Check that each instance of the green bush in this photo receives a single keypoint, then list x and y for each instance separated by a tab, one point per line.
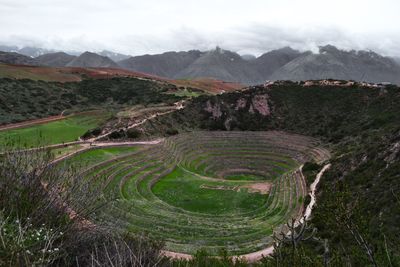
133	133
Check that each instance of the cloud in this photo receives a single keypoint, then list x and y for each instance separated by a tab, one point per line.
138	27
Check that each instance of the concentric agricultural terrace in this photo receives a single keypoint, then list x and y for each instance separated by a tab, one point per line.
210	190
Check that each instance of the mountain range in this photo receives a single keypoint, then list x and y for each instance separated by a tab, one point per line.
89	59
281	64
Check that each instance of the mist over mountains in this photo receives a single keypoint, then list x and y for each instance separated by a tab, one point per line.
281	64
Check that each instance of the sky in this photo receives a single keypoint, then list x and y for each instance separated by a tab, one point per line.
248	27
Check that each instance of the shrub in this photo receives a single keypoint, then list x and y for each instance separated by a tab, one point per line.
133	133
50	216
92	133
172	131
117	134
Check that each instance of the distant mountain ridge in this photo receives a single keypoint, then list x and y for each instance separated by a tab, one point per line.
93	60
281	64
15	58
26	51
270	62
113	55
58	59
223	65
218	64
166	65
333	63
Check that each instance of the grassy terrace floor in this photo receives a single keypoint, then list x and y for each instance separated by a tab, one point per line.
190	192
207	190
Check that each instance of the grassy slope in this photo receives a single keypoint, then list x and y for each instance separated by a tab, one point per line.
69	129
91	157
22	100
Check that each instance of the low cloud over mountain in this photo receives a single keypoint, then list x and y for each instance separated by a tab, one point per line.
281	64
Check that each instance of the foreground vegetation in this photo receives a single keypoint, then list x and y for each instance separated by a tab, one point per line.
42	224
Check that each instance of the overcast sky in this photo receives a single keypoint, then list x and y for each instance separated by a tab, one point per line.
247	26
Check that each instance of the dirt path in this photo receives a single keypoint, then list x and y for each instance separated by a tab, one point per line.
313	189
91	145
178	105
258	255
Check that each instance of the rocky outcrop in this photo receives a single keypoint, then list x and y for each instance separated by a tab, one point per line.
215	109
260	103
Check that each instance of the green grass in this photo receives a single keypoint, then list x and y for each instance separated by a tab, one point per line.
183	189
161	190
56	132
245	177
98	155
59	152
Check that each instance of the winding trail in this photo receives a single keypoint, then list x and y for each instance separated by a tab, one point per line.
92	145
178	105
313	189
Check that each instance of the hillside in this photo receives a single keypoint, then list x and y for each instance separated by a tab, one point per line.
219	64
280	64
268	63
15	58
59	59
223	65
164	65
22	100
113	55
88	59
28	51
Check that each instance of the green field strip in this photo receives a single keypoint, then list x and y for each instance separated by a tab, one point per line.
55	132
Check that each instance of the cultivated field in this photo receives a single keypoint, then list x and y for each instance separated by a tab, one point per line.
66	129
209	190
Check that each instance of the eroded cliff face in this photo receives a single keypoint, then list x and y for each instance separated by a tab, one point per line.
231	113
257	103
260	103
240	103
214	109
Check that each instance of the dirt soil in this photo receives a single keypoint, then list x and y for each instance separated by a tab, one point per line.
261	188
